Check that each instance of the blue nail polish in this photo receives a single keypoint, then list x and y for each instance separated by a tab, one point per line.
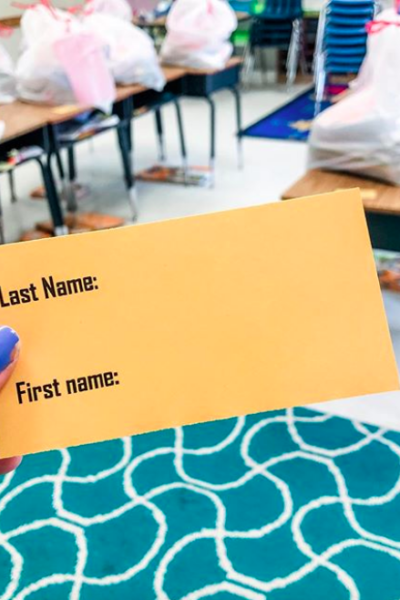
8	340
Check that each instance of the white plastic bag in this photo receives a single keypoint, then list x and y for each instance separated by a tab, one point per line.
7	77
41	75
115	8
197	34
130	51
361	133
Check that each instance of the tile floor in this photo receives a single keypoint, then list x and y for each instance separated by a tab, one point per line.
270	167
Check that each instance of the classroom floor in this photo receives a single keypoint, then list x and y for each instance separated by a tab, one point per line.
270	167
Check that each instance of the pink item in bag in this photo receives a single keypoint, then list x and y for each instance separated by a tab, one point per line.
84	61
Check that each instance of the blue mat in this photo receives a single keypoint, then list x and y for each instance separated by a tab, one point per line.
288	505
290	122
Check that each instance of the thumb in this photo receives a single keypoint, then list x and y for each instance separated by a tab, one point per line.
9	353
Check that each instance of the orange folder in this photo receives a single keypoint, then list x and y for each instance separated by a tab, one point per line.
190	320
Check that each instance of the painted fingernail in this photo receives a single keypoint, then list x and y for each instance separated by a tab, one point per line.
8	343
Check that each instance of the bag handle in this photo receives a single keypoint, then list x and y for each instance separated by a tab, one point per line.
6	32
210	7
46	3
49	6
378	26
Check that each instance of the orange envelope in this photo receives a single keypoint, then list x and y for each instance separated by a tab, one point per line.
190	320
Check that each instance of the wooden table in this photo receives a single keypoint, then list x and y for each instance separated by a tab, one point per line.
381	202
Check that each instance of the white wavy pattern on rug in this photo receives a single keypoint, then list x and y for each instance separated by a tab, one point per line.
160	556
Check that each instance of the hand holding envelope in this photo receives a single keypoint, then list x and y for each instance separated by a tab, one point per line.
190	320
9	354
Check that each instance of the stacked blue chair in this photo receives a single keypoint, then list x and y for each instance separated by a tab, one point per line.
341	40
278	26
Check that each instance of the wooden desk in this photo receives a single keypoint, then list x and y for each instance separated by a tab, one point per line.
21	119
13	22
381	202
136	100
233	62
203	83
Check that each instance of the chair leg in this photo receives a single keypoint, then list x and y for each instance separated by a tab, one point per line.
11	182
320	81
238	103
52	197
212	139
2	238
248	65
263	66
292	62
182	140
61	172
124	141
160	135
302	49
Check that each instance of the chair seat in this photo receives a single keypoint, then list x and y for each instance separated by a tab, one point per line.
281	16
333	41
275	42
270	34
266	25
343	70
340	60
347	21
356	4
362	11
347	51
345	31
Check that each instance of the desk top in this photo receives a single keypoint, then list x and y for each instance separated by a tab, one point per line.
22	118
232	62
377	197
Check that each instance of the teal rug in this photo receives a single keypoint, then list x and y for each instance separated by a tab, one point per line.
288	505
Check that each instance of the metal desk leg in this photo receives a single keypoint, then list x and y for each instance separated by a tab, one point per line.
160	135
52	197
182	140
124	140
72	202
11	182
212	138
236	93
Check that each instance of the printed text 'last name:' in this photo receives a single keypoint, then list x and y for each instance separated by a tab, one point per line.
47	289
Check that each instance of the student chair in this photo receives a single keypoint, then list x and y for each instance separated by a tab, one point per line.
244	6
341	41
278	26
32	153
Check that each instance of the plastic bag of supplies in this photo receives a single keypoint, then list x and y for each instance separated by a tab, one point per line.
197	34
361	133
